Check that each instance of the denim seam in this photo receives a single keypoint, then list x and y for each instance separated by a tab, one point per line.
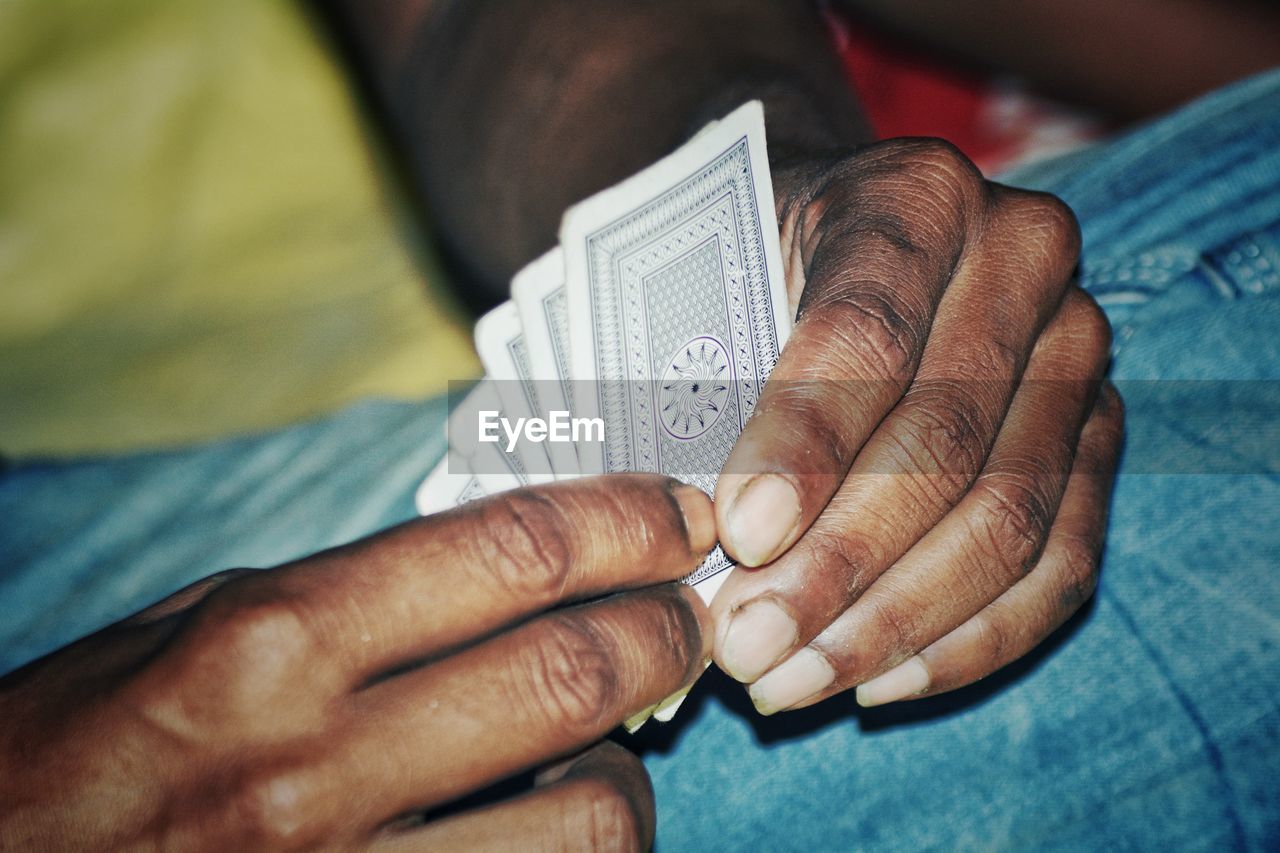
1219	284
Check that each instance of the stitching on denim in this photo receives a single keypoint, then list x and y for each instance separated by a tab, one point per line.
1251	263
1245	266
1124	285
1156	268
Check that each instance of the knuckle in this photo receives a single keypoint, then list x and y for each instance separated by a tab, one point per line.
932	179
806	425
1095	322
843	558
1111	408
247	654
893	625
992	640
988	360
1103	435
524	545
268	635
604	820
678	631
1013	521
573	681
273	811
1047	217
1046	221
944	434
1080	563
944	159
1088	322
249	650
867	335
259	634
870	238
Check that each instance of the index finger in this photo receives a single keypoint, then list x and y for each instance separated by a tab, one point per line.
873	281
447	580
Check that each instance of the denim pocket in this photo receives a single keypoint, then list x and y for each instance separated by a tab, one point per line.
1177	281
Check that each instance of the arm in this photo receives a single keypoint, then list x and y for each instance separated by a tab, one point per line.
1132	58
511	111
925	296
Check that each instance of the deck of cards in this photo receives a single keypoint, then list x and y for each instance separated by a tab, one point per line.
640	343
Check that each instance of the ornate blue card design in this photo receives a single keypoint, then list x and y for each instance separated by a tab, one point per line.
685	334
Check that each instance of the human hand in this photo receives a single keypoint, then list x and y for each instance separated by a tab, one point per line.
327	702
925	480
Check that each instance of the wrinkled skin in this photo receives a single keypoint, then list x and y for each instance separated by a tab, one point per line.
936	444
328	702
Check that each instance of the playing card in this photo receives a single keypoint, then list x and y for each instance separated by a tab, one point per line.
677	309
542	302
500	342
450	484
496	468
660	316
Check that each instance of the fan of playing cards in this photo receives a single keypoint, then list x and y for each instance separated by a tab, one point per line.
641	343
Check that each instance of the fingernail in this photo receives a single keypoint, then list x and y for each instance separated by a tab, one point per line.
633	723
665	710
706	629
794	680
905	679
756	637
667	707
699	517
761	517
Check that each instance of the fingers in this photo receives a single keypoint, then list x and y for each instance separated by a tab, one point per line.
317	752
885	507
873	280
539	691
185	598
436	583
937	439
926	453
601	800
1034	607
977	551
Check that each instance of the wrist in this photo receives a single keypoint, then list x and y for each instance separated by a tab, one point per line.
513	111
802	122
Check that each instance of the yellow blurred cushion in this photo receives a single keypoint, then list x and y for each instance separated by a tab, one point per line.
196	235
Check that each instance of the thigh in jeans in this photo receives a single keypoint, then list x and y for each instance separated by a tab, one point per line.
1153	717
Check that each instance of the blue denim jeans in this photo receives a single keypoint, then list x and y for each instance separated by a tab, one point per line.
1152	719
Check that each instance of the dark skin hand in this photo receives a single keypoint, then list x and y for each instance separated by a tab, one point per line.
924	484
329	701
937	441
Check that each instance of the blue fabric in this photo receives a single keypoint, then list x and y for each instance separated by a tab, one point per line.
1152	719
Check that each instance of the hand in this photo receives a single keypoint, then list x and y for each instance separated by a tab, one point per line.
323	702
926	477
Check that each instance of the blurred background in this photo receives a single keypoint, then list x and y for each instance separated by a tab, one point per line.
202	232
